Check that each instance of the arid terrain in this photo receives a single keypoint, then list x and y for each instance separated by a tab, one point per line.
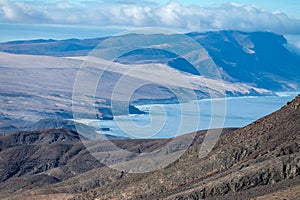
38	77
259	161
149	100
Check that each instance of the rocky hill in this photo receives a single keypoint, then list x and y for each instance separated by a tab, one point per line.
258	161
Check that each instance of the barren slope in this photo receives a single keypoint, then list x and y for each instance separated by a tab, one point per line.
263	153
259	159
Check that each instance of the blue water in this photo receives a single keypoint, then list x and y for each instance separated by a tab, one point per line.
170	120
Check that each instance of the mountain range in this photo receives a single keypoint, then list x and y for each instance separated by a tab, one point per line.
37	77
258	161
261	59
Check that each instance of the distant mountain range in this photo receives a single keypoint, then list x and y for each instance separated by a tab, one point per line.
261	160
37	77
260	59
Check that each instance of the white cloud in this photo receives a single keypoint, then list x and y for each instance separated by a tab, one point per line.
293	43
171	15
9	11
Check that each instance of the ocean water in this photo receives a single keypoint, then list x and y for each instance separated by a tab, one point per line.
169	120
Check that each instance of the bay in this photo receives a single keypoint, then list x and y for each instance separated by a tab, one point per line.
170	120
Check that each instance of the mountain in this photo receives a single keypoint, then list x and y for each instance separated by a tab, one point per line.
33	88
258	161
260	59
51	47
37	77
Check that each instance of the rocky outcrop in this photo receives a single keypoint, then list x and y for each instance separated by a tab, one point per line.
257	160
263	154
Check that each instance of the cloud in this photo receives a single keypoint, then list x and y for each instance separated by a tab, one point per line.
170	15
293	43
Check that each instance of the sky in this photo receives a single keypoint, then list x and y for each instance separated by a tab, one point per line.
32	19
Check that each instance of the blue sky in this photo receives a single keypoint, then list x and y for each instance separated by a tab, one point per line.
21	19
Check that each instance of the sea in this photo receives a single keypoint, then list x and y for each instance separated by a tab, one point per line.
170	120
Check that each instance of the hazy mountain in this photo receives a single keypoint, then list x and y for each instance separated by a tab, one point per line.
40	85
258	160
74	47
260	59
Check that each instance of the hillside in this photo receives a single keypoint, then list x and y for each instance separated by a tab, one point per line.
34	88
256	161
37	77
260	59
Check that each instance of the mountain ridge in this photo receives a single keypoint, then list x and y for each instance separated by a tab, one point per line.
257	58
251	162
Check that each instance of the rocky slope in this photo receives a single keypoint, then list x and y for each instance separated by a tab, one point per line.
264	154
256	161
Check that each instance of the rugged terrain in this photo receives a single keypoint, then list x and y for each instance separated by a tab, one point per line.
259	161
37	77
240	56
